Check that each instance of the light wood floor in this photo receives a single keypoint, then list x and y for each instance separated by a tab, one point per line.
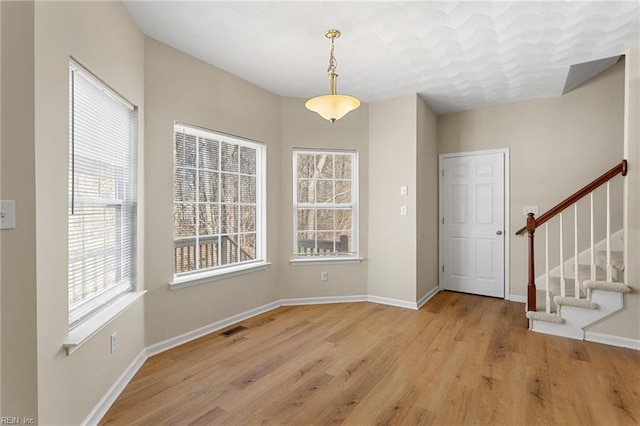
461	359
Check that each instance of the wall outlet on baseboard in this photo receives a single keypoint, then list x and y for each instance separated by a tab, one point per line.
324	276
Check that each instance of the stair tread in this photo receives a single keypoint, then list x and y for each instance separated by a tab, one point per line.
572	301
543	316
604	285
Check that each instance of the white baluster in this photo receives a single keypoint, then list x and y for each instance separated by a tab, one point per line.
546	251
575	251
593	244
609	267
562	289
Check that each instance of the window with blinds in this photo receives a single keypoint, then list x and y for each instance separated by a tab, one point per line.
218	208
102	189
325	204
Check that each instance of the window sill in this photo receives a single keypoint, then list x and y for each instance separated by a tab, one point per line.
299	261
93	325
221	274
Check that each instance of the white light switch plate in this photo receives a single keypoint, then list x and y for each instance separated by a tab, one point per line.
7	214
530	209
404	190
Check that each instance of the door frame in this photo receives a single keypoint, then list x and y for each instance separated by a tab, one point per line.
507	210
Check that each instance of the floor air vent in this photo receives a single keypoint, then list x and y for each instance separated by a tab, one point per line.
233	331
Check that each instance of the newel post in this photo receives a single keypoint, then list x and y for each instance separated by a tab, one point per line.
531	285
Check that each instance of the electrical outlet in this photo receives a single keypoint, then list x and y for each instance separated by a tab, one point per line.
324	276
403	210
114	342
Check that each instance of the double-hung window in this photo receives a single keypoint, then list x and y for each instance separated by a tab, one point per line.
102	195
219	212
325	204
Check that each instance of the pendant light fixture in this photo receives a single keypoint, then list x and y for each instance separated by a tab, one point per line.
332	107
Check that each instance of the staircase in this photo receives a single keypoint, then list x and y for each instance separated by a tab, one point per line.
586	288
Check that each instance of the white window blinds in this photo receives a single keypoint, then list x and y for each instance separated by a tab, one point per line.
102	204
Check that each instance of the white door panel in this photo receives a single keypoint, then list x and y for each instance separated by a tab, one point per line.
472	227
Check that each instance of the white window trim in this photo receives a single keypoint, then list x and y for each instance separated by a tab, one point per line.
326	260
221	273
355	197
198	277
91	326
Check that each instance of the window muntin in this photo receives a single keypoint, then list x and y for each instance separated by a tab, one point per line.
218	207
325	204
102	195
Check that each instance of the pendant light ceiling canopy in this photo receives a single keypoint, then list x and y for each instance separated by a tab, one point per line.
332	107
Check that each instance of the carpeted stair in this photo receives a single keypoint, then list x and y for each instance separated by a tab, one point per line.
586	285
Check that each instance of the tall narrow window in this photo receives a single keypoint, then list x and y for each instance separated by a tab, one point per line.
325	204
218	208
102	195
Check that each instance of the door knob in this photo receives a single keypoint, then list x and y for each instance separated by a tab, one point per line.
498	232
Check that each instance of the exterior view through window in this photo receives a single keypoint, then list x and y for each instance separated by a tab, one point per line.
218	209
325	203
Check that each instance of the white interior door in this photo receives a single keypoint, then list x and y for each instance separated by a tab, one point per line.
472	225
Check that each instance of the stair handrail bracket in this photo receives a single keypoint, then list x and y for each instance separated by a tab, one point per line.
535	222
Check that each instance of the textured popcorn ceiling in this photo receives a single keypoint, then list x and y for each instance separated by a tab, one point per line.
457	55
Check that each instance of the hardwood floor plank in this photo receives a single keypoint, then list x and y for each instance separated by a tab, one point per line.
461	359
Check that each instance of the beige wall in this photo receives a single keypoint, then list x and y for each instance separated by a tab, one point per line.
0	199
426	188
626	323
392	163
103	37
18	264
557	145
181	88
302	128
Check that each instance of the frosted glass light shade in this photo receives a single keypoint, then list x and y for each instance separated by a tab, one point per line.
332	107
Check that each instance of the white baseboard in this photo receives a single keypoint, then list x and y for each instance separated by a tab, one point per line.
207	329
427	296
348	299
115	390
392	302
517	298
322	300
607	339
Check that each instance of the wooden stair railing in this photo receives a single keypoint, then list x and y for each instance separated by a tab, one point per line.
533	223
